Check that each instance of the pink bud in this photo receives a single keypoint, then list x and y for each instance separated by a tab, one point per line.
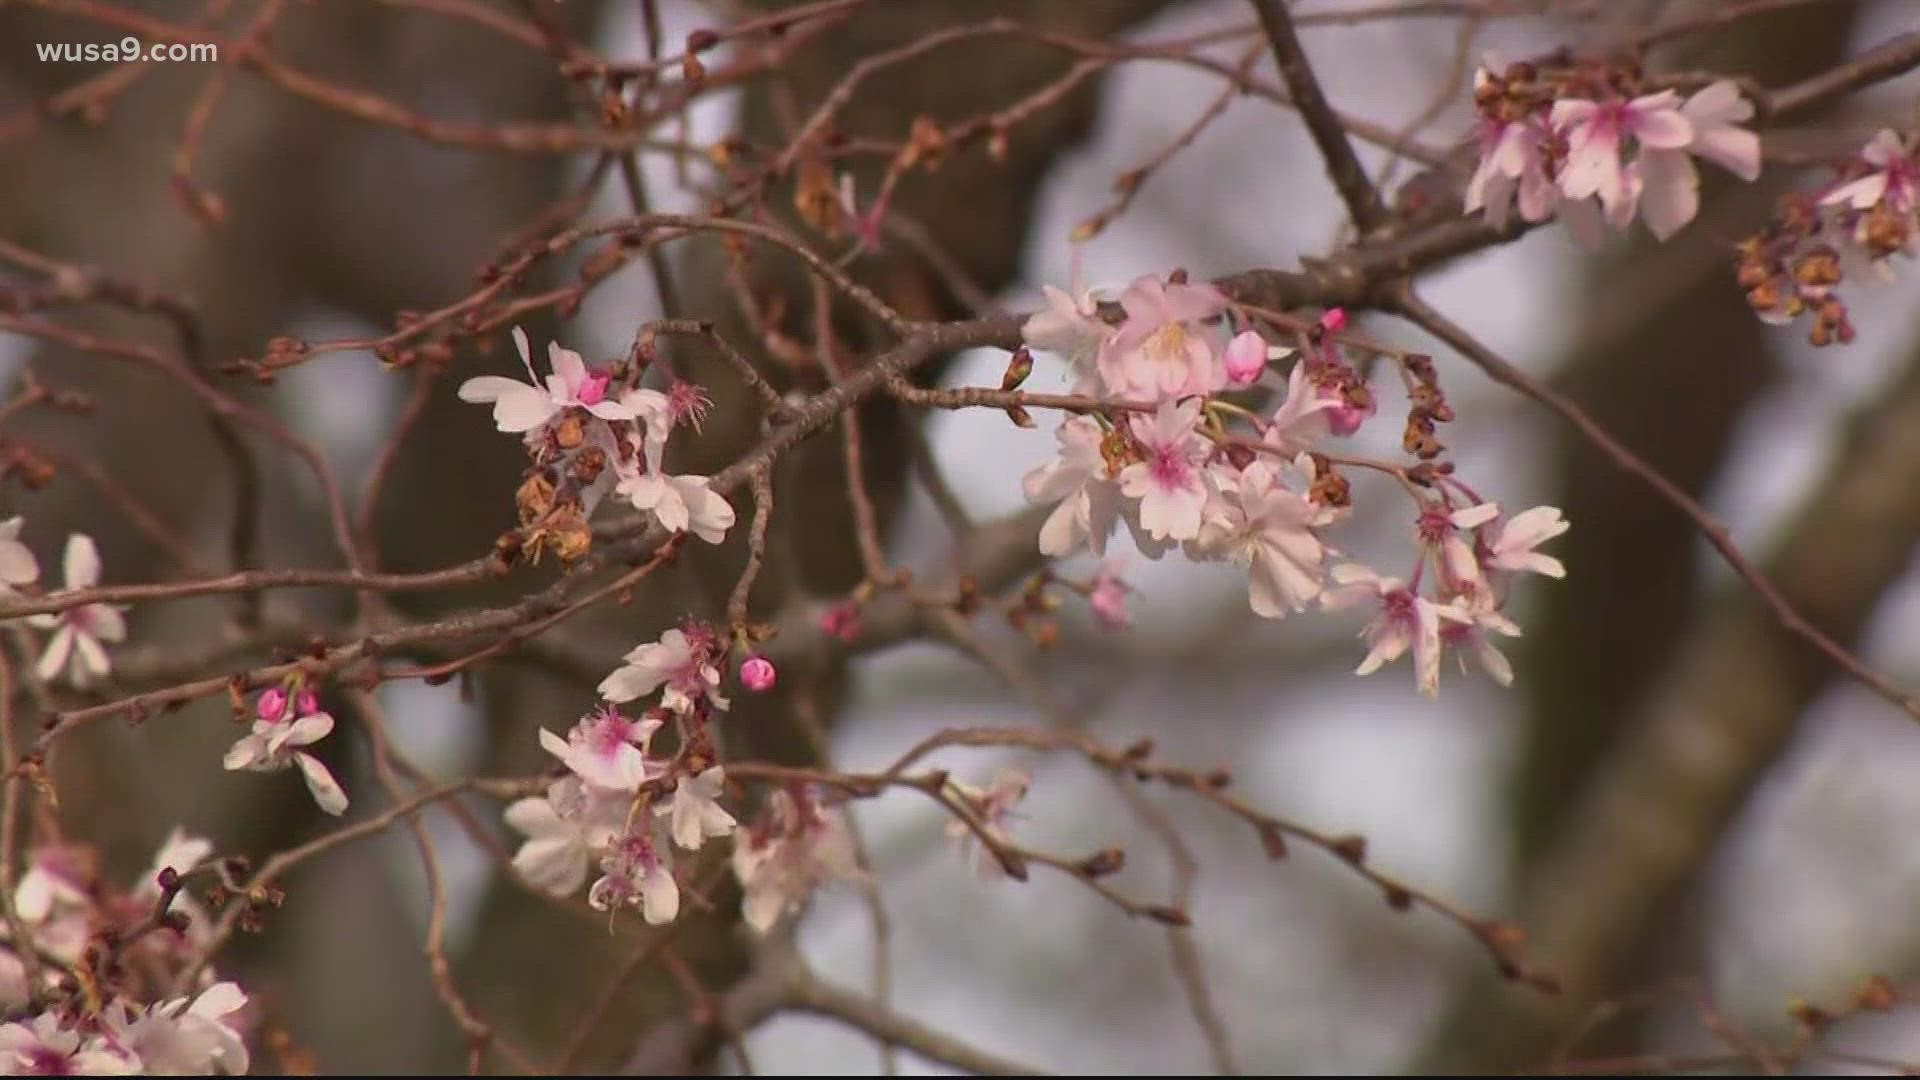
1334	321
594	390
1344	418
757	674
1246	358
307	703
272	704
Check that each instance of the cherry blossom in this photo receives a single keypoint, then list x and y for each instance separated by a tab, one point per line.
637	872
1512	166
1077	481
564	829
1509	544
272	746
797	848
680	503
1405	620
694	811
1156	353
46	1047
523	407
1892	177
992	808
606	749
182	1038
681	662
1303	419
75	649
1470	638
17	565
1068	326
1170	481
1267	528
1597	135
57	877
1669	184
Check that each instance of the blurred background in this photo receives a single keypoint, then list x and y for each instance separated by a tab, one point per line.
1673	794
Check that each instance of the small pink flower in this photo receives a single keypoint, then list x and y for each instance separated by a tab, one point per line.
1334	321
1246	358
1087	500
757	674
1405	620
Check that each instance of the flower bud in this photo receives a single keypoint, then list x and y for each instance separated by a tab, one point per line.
1334	321
272	704
1246	358
757	674
307	703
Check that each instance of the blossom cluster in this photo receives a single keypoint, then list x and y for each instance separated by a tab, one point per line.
1168	454
590	434
125	1021
623	809
1848	230
1580	143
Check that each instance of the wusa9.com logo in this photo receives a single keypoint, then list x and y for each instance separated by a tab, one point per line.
130	48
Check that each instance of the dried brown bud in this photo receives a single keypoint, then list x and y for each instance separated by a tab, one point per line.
1019	366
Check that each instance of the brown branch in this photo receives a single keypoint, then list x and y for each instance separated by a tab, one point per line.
1349	176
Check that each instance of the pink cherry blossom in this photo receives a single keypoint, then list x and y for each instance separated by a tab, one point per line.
564	830
681	663
1303	419
1405	620
1893	177
1156	353
524	406
680	503
1667	184
992	808
47	1047
1171	482
795	849
184	1037
1510	544
75	651
1470	638
1597	135
1087	501
606	749
1087	498
694	812
1268	529
272	745
637	872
